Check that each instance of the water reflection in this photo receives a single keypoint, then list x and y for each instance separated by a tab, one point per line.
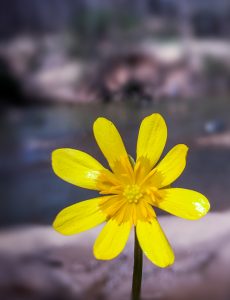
32	193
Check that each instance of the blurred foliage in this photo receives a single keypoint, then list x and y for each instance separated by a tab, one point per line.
93	26
207	23
167	32
215	68
216	75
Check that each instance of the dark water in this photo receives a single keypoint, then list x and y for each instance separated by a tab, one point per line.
31	193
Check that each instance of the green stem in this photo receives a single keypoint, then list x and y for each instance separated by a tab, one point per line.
137	269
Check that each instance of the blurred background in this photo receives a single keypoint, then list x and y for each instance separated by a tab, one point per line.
63	64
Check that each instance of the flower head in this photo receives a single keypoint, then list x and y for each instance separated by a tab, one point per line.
129	190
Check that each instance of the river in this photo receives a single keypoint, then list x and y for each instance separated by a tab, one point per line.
31	193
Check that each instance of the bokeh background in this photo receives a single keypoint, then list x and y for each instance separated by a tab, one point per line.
63	64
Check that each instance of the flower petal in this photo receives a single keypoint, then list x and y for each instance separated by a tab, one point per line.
79	217
110	143
151	139
154	243
171	166
76	167
183	203
112	240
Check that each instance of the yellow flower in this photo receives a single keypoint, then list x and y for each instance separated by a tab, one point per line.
129	191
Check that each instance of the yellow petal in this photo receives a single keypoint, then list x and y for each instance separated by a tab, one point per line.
110	143
151	139
76	167
112	240
171	166
79	217
154	243
183	203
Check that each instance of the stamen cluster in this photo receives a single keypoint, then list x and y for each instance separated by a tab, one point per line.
132	193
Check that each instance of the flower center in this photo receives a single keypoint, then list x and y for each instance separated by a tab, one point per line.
132	193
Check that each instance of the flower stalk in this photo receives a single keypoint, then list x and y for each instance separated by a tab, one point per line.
137	269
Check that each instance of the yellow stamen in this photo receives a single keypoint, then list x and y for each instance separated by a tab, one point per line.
132	193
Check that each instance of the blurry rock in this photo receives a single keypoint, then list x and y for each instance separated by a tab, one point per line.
37	263
214	126
141	75
43	71
220	140
127	75
54	81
